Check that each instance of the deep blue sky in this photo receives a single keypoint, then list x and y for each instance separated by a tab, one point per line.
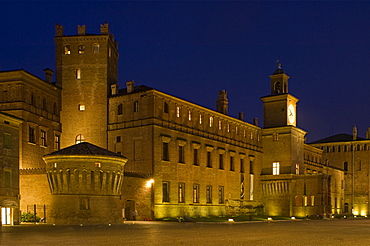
194	49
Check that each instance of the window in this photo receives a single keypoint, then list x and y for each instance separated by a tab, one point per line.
209	194
189	115
96	48
79	139
181	154
67	50
345	148
81	49
297	201
44	104
275	136
84	203
31	134
136	106
165	107
54	108
43	138
165	192
296	168
305	201
177	111
181	192
313	201
345	166
346	207
228	127
78	73
7	141
251	167
200	119
219	125
97	164
242	165
221	195
358	147
57	142
165	153
195	157
232	167
32	99
275	168
210	121
209	159
195	193
359	166
118	139
7	178
81	107
120	109
221	161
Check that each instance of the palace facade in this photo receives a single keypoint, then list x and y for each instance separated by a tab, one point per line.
90	152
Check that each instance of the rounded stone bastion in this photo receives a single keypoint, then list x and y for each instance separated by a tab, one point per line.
85	182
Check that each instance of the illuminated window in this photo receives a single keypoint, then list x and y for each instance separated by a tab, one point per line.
209	194
96	48
181	192
195	157
165	153
120	109
313	201
81	107
67	50
195	193
296	168
81	49
209	159
221	195
43	138
275	168
165	107
251	135
200	119
166	192
78	73
189	115
221	161
181	154
7	141
219	125
31	134
79	139
57	142
177	111
237	130
228	127
232	167
7	179
136	106
275	136
305	201
97	164
210	121
244	133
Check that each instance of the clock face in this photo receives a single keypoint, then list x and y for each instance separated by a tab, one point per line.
291	114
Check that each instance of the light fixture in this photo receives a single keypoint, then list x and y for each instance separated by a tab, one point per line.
149	183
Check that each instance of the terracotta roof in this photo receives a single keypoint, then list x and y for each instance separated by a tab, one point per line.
84	148
337	138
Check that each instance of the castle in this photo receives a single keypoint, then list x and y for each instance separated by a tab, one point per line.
92	153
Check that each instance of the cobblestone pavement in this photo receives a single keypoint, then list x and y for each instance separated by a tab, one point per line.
306	232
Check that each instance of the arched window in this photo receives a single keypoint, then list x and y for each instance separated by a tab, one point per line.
277	87
365	146
67	50
78	73
165	108
96	48
358	147
80	139
81	49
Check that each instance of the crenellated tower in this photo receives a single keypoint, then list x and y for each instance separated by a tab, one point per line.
86	68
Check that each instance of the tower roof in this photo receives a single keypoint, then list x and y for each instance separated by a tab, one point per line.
84	148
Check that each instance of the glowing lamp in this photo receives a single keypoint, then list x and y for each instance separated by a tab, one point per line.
149	183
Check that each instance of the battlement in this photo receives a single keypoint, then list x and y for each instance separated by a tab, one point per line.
81	29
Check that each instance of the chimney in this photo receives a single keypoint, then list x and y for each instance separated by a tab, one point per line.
104	29
59	30
48	75
241	116
130	86
114	89
81	29
222	102
255	121
354	133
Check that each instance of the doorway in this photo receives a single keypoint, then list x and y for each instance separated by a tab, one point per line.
129	209
6	216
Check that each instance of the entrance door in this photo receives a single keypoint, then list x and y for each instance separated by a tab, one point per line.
129	209
6	218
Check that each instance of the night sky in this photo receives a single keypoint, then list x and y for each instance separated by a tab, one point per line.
194	49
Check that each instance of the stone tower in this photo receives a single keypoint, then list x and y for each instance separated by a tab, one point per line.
86	67
222	102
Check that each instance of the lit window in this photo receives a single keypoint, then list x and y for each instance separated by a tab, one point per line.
244	133
80	139
43	138
181	192
97	164
210	121
81	49
7	141
275	136
177	111
209	194
313	201
96	48
78	73
55	165
56	142
275	168
221	195
120	109
228	127
237	130
189	115
251	135
67	50
219	125
195	193
136	106
305	201
84	203
296	168
81	107
166	192
200	119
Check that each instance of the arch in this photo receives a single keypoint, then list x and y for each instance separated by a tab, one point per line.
79	139
277	87
96	48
